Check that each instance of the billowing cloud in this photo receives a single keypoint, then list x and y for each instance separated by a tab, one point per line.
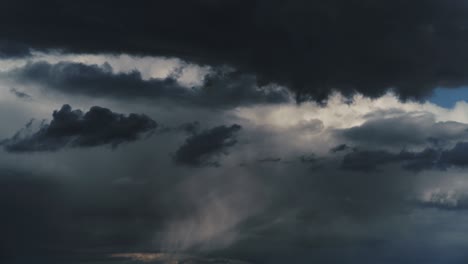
73	128
304	207
199	149
368	176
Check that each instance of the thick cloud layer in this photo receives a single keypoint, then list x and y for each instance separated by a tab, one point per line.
73	128
285	206
9	50
311	46
223	89
199	149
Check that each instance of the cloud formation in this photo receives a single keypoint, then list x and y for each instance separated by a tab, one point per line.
427	159
405	129
73	128
220	89
200	149
313	47
306	207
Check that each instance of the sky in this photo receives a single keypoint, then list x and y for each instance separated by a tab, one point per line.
233	132
449	97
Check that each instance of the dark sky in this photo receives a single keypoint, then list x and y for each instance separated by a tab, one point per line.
234	131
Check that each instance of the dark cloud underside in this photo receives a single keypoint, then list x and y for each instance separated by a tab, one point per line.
311	46
220	89
73	128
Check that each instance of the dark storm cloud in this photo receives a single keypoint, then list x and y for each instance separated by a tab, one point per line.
191	128
57	220
25	202
365	160
411	129
10	49
311	46
220	89
73	128
200	149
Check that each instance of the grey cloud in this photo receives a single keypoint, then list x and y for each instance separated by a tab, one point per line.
191	128
368	160
259	213
50	218
408	129
221	89
457	156
200	149
339	148
73	128
310	158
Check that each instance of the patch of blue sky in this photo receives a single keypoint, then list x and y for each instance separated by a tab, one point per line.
448	97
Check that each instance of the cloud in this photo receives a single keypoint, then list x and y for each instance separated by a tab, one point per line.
10	49
445	199
199	149
306	208
20	94
429	158
405	129
73	128
220	89
339	148
46	213
191	128
313	47
456	156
